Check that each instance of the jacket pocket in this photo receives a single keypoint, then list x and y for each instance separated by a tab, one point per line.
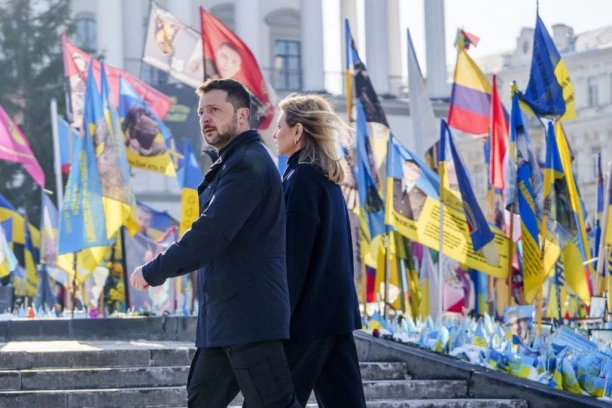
228	286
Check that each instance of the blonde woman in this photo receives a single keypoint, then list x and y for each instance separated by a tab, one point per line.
324	307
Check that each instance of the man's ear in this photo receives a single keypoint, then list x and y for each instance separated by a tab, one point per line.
244	115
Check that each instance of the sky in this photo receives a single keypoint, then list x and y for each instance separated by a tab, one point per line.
498	22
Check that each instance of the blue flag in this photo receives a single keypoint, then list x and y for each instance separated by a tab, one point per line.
67	137
82	222
550	92
477	224
369	199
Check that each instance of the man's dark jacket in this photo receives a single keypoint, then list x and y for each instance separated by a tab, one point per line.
238	243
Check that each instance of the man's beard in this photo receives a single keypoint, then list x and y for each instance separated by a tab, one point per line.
224	136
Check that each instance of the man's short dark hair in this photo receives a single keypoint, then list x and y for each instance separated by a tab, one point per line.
237	94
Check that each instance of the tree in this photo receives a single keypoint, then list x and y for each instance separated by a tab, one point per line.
31	73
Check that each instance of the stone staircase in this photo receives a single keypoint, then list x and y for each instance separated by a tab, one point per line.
69	374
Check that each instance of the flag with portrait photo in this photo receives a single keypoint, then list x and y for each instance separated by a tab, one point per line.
173	47
149	143
225	55
76	62
413	206
117	196
376	120
154	223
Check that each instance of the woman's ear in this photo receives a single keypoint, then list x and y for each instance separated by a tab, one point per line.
298	129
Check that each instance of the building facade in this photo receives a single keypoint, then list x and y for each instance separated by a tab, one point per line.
299	45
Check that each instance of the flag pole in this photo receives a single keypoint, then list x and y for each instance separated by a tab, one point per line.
386	294
440	305
604	227
74	283
57	165
510	254
364	286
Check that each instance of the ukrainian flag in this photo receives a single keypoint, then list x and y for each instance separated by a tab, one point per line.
82	226
371	205
8	261
549	92
189	178
521	187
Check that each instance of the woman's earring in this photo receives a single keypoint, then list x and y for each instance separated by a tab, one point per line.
296	142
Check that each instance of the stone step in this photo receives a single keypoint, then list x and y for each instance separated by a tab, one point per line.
175	396
97	398
401	389
134	377
441	403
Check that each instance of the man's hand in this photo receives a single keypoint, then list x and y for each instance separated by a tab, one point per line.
137	280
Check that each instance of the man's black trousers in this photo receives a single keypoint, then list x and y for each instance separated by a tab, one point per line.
258	370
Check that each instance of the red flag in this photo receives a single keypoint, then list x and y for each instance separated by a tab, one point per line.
75	70
499	140
226	56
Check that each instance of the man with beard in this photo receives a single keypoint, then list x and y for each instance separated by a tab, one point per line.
238	243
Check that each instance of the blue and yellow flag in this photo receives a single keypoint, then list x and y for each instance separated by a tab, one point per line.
31	259
149	143
557	203
82	221
456	190
575	254
558	207
549	92
371	205
522	188
82	224
117	196
413	209
9	212
189	178
154	223
8	261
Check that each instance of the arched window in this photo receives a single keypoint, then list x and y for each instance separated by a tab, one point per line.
85	36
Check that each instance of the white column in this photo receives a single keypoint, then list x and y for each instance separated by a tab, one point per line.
349	9
133	40
248	21
110	31
394	41
435	42
185	11
333	48
377	47
313	78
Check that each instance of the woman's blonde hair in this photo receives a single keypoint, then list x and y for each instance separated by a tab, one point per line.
324	132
